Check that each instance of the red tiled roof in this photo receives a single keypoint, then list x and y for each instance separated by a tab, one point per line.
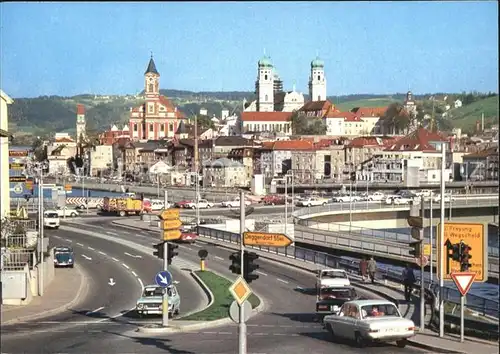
483	153
348	116
419	140
265	116
64	140
80	109
288	145
316	106
367	141
371	111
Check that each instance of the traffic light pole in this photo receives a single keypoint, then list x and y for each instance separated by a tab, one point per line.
242	324
441	242
422	269
165	293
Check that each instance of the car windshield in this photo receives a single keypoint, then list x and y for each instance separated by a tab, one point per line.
336	293
152	292
63	257
383	310
334	274
51	215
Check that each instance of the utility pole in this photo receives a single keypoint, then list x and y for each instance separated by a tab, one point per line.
422	269
165	290
286	202
441	242
242	324
197	179
40	229
431	237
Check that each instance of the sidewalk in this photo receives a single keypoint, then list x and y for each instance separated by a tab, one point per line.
427	340
68	288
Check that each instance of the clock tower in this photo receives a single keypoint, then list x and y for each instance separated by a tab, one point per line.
80	123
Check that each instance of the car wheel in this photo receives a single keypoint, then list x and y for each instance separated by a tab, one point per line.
360	341
324	203
72	266
122	213
229	206
193	207
177	311
401	343
73	215
56	227
309	205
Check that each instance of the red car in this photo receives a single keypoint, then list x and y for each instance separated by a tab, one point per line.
182	203
187	237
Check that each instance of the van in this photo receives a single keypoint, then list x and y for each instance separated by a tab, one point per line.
51	219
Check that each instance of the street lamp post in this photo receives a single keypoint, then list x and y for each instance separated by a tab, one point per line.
350	199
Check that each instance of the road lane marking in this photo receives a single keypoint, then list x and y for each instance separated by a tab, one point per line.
101	252
113	258
111	233
79	244
195	245
90	248
94	311
140	282
58	237
126	266
219	258
281	280
134	273
261	273
132	255
67	239
86	257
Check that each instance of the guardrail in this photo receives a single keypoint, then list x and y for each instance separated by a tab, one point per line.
479	304
367	205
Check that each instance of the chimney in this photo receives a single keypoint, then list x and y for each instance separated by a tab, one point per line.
482	122
477	126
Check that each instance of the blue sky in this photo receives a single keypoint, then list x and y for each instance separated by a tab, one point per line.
368	47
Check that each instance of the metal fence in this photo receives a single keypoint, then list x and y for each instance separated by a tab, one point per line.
479	304
17	250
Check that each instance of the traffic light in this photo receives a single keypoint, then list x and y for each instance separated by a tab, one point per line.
465	257
456	252
235	266
416	249
159	250
249	267
172	252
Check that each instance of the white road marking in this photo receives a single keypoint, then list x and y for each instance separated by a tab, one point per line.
261	273
79	244
57	236
132	255
195	245
140	282
219	258
87	258
281	280
113	258
101	252
94	311
134	273
280	334
126	266
67	239
90	248
227	333
111	233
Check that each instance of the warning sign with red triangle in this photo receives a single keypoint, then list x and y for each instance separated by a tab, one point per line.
463	281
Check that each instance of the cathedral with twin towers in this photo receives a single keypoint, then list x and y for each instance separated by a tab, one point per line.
270	96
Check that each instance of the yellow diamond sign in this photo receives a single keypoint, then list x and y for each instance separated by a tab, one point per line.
240	290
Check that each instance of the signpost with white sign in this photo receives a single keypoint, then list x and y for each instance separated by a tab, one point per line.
463	281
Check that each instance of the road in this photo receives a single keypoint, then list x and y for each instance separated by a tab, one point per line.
286	326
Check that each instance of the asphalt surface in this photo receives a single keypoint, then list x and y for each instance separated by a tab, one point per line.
286	326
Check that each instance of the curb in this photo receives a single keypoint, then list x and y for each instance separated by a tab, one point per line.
81	293
432	348
207	292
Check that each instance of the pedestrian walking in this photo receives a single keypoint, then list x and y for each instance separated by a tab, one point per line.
363	269
408	281
372	268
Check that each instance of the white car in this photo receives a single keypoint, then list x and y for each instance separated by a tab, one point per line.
366	321
447	198
202	204
92	203
157	205
65	212
330	278
235	203
348	198
51	219
377	196
398	200
308	202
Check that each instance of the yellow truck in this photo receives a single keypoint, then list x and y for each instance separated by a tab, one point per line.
126	206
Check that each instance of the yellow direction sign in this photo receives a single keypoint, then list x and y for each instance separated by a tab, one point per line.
166	214
240	290
171	235
473	236
171	224
427	249
266	239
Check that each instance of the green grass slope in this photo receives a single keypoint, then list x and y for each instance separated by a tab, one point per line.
370	102
465	117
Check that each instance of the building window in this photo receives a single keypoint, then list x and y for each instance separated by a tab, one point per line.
319	78
162	127
151	129
150	87
135	127
171	127
319	97
151	108
265	77
266	98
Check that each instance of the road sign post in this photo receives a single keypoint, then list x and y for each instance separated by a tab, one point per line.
170	224
242	324
463	281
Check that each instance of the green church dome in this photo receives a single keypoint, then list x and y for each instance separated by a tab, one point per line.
265	61
317	63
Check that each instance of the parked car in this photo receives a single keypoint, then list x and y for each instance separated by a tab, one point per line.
347	198
377	196
398	200
66	211
187	237
331	299
447	198
51	219
274	200
157	205
182	203
235	203
366	321
92	203
332	278
312	201
151	301
64	257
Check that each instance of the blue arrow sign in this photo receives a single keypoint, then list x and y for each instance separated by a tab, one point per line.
163	278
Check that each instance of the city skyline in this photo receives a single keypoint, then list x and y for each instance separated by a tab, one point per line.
368	48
